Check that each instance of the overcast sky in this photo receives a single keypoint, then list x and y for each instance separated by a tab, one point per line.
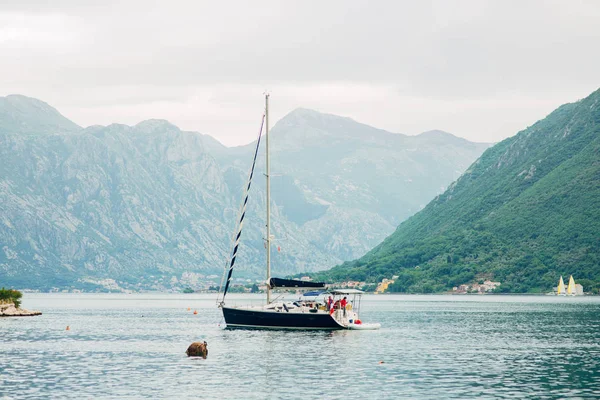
481	70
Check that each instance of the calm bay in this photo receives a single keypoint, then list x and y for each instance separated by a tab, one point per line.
133	346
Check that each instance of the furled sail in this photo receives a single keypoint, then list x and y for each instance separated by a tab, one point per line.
294	284
236	243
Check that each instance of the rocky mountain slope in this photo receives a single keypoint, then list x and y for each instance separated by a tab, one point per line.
526	212
152	206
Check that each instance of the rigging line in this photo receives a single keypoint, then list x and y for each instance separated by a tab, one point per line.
226	255
241	214
236	242
245	188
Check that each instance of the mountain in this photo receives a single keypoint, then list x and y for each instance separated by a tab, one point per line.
341	162
27	115
151	206
526	212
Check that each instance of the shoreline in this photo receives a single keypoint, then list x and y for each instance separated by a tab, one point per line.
9	310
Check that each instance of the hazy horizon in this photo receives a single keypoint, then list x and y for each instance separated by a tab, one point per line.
480	70
252	140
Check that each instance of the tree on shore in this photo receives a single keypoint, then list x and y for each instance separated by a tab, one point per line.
11	296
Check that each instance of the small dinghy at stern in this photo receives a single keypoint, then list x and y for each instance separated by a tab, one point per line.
363	327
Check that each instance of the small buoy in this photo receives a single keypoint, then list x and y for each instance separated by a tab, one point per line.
188	309
195	312
68	328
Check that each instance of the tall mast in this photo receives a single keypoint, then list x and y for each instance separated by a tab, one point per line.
268	175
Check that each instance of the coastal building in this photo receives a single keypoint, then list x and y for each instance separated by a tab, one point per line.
485	287
461	288
488	286
383	285
350	284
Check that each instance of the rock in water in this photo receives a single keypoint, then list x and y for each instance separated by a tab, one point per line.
9	310
197	349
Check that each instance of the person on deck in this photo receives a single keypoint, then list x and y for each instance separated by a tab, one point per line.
329	303
344	303
335	306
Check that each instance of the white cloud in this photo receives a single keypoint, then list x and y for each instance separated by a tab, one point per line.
480	69
21	31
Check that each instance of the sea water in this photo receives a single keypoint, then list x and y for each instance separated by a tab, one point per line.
435	347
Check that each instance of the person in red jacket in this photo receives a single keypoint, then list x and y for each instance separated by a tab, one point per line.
344	303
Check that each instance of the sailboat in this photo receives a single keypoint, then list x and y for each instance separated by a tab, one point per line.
561	287
571	287
339	313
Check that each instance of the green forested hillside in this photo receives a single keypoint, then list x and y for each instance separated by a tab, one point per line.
523	214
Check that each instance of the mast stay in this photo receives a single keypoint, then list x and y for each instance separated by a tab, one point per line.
236	242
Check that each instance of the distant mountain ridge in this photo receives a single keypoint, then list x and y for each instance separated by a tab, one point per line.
27	115
151	206
526	212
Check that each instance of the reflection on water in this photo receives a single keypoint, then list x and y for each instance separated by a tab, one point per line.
431	347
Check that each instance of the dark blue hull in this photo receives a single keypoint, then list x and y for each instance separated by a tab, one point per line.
243	318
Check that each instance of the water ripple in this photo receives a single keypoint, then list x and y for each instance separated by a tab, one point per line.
132	346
